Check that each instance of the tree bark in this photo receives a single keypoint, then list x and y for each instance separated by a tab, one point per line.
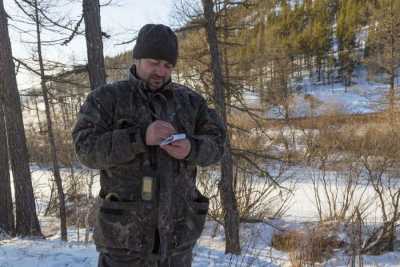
94	43
6	206
50	133
27	222
228	199
226	59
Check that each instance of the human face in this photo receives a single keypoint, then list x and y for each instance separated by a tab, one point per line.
155	73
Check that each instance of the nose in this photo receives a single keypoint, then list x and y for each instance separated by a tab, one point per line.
161	70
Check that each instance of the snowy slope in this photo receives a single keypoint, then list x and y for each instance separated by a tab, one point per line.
362	96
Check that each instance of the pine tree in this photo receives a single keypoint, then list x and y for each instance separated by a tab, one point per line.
348	24
384	43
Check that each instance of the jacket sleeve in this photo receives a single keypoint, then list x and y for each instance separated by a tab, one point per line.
97	144
208	140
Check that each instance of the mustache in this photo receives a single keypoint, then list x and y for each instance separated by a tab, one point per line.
157	77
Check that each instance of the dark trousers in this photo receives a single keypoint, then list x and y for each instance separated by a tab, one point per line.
181	260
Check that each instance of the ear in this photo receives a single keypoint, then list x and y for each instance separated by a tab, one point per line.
136	61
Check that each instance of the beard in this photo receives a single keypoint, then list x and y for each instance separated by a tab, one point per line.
155	82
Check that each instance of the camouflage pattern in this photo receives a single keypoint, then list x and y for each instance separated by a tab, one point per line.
109	136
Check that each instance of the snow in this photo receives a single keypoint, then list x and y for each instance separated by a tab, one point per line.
362	96
255	237
209	251
45	253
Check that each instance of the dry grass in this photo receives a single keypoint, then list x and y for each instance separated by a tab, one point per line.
308	247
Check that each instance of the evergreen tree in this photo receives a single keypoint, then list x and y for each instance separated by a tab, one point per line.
348	25
384	43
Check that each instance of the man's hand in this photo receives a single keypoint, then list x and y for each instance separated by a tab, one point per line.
179	149
158	131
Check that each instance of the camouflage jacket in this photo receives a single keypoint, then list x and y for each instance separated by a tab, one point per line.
109	135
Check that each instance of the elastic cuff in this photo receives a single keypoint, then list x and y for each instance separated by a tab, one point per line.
192	154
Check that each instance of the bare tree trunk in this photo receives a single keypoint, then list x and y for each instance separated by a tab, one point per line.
6	206
97	74
37	114
392	98
226	60
94	43
91	203
228	199
56	169
27	222
392	93
51	201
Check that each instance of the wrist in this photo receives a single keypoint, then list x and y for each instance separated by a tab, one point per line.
191	155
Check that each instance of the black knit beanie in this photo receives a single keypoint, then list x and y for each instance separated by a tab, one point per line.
156	41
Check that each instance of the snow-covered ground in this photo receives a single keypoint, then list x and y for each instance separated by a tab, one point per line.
362	96
209	251
255	238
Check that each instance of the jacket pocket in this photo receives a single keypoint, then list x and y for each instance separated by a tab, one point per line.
122	225
189	228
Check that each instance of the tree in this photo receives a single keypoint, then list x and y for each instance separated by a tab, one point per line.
96	66
27	222
50	132
38	17
348	24
228	199
94	43
283	44
6	206
241	49
319	33
384	43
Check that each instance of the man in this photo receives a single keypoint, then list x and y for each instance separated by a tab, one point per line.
150	212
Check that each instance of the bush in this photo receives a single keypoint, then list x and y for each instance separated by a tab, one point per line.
308	246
